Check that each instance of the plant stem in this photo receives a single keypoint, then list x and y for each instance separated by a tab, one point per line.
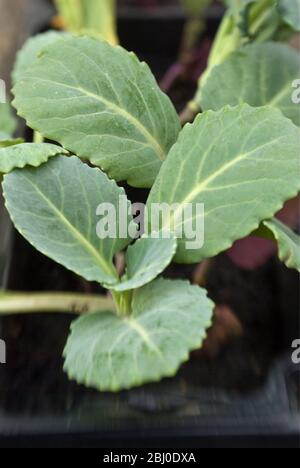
38	138
71	14
26	303
122	301
227	40
189	113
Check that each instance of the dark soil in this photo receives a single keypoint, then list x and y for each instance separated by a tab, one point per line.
265	301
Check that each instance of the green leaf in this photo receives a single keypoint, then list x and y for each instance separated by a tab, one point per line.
145	260
288	243
248	76
8	124
30	51
290	12
168	320
101	103
6	141
242	163
26	154
54	208
256	19
240	11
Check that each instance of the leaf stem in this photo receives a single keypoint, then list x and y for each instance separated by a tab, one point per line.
189	112
38	137
122	302
73	303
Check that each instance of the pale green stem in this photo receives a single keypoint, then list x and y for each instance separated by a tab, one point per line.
26	303
72	13
122	301
38	138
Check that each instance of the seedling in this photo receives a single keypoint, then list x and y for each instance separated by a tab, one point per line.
101	105
248	22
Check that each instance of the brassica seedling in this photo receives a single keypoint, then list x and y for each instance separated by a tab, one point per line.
100	104
247	22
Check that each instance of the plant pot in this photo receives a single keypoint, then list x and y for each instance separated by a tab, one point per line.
247	395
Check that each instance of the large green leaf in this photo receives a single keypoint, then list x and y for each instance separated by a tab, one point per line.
242	163
248	76
26	154
290	12
288	243
101	103
54	207
168	320
145	260
29	52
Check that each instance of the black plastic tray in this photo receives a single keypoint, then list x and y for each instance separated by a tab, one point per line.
162	415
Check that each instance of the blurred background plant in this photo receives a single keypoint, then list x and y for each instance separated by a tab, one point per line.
93	17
